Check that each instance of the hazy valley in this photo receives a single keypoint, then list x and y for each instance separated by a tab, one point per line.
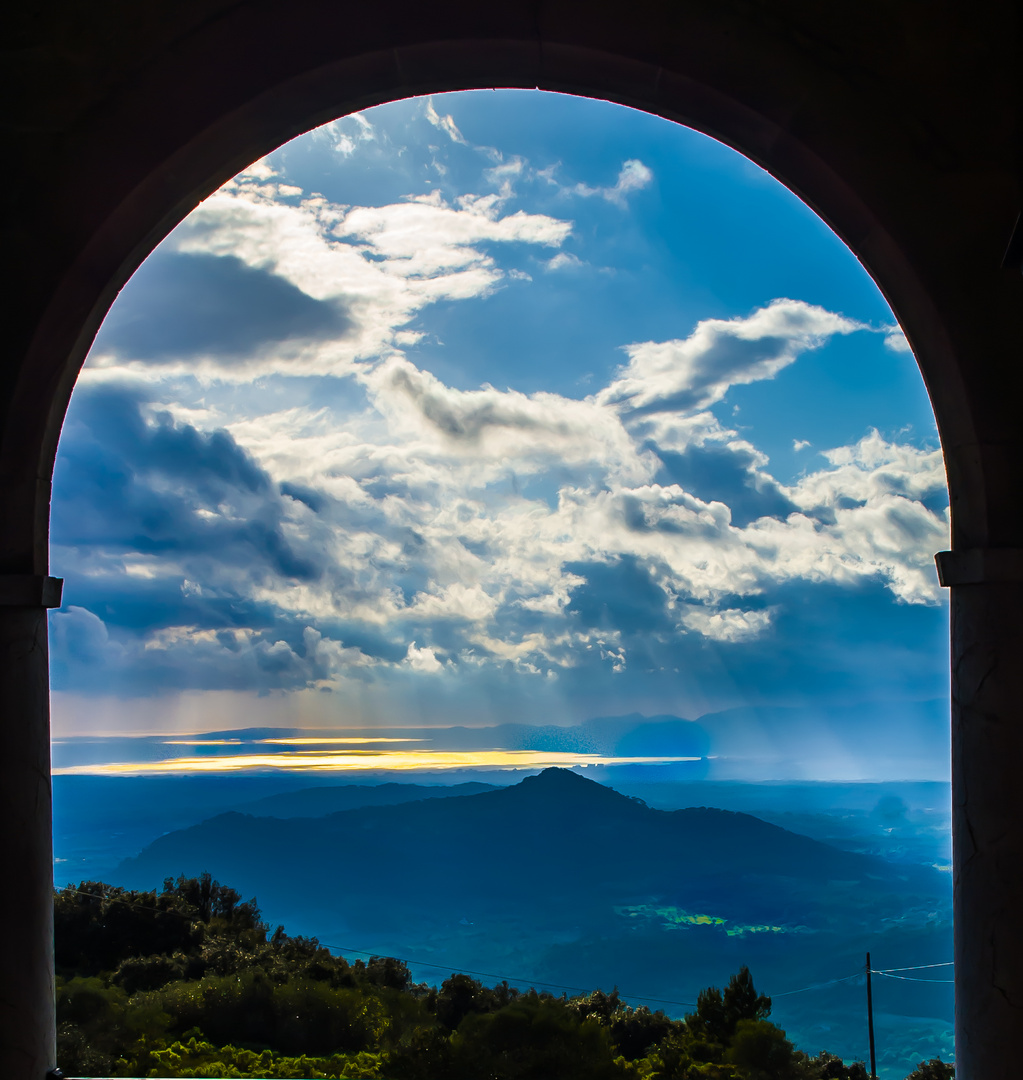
557	881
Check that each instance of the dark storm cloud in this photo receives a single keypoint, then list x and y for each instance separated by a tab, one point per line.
164	487
140	605
103	640
836	645
315	500
92	657
619	596
727	475
195	304
133	483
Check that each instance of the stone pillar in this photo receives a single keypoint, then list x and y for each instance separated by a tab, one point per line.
26	833
987	808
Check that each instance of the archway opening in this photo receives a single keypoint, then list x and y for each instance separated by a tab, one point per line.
537	436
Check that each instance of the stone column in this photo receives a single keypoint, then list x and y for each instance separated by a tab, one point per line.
987	808
26	832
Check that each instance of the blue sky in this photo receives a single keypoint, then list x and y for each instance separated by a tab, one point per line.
496	407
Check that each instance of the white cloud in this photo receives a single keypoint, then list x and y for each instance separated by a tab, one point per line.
258	170
564	261
633	176
329	659
502	426
346	133
730	624
487	553
422	660
695	372
800	444
429	483
896	340
444	123
504	174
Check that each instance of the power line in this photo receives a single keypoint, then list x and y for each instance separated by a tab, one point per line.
909	978
917	967
818	986
111	898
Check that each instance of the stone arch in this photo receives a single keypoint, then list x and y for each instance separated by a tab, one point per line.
899	126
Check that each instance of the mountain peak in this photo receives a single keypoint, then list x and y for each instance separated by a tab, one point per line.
557	775
558	783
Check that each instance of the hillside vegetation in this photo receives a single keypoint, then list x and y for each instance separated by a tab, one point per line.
189	981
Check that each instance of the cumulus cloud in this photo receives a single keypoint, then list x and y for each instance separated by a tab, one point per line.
422	660
313	544
476	519
499	426
728	624
695	372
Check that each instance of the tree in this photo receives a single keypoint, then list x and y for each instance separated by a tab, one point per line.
827	1066
717	1013
634	1031
741	1000
97	926
536	1037
935	1069
760	1051
211	900
458	997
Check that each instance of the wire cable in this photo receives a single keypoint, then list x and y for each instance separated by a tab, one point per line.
818	986
909	978
917	967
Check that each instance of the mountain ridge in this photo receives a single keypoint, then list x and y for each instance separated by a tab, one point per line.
553	847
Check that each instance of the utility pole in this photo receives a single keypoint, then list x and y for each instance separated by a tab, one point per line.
870	1023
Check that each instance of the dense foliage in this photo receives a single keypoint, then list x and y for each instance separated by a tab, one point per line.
189	981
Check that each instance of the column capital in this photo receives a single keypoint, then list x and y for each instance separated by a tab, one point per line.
30	590
978	566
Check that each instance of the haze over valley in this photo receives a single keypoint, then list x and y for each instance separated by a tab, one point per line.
560	882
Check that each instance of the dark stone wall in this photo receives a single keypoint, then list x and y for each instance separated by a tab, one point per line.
898	121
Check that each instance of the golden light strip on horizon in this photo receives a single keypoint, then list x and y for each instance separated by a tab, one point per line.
362	761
